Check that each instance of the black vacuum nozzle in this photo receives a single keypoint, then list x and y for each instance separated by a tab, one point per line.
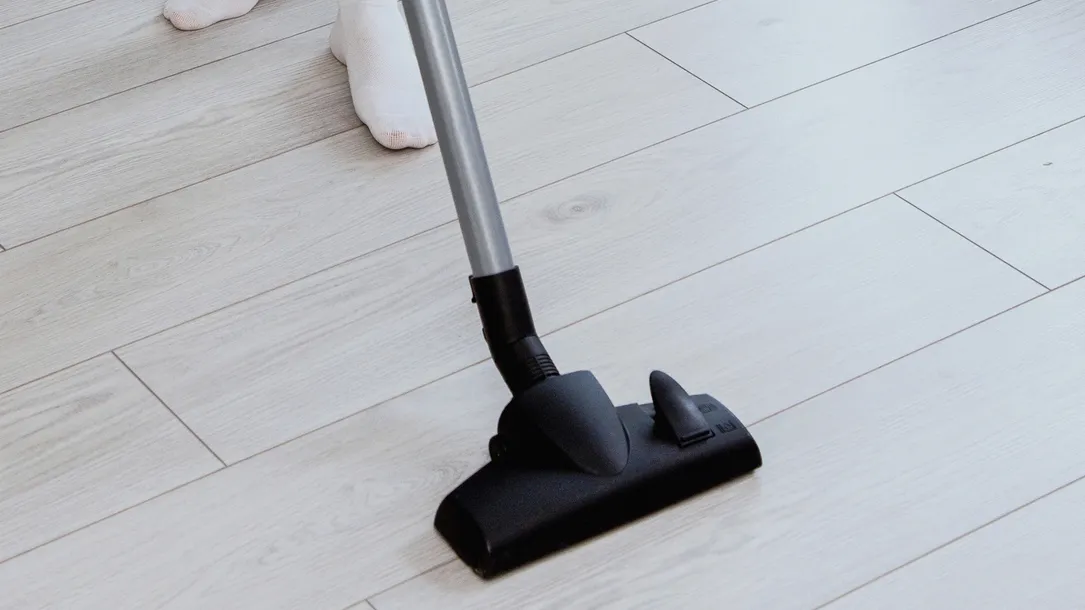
566	421
568	465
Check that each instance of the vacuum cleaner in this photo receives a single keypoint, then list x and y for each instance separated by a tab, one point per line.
566	464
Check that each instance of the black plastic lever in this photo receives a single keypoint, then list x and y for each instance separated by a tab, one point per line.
677	416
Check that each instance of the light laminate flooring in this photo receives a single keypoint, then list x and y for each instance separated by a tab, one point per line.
239	366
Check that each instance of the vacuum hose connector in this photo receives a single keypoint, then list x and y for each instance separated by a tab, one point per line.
510	331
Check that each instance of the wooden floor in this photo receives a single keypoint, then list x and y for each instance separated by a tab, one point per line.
239	366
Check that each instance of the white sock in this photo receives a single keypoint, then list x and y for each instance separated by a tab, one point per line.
197	14
372	40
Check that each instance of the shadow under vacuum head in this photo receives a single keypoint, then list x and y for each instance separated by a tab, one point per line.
567	465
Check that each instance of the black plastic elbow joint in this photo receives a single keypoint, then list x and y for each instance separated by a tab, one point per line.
510	331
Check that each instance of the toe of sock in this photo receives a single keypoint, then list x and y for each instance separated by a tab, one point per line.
188	18
399	140
398	135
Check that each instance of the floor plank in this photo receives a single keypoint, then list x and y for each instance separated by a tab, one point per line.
18	11
96	159
81	445
895	266
585	82
104	47
101	48
757	50
658	214
854	479
497	36
856	482
1030	559
761	174
285	363
1023	204
244	379
158	264
345	512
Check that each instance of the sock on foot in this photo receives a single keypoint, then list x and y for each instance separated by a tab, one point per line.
372	40
197	14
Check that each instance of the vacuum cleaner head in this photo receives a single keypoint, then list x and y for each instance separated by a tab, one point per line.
567	465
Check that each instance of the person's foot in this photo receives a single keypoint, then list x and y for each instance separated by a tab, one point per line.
371	39
197	14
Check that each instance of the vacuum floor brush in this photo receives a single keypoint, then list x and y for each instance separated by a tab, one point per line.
566	464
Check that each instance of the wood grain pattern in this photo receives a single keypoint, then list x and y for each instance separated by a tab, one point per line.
104	47
142	270
777	168
287	362
1030	559
81	445
318	524
17	11
345	512
1023	204
762	329
856	482
618	231
757	50
863	478
327	309
244	379
496	37
99	158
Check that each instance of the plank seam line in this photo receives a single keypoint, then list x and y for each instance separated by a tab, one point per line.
686	70
764	419
911	48
969	240
241	167
953	540
167	407
52	12
511	201
302	33
429	383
